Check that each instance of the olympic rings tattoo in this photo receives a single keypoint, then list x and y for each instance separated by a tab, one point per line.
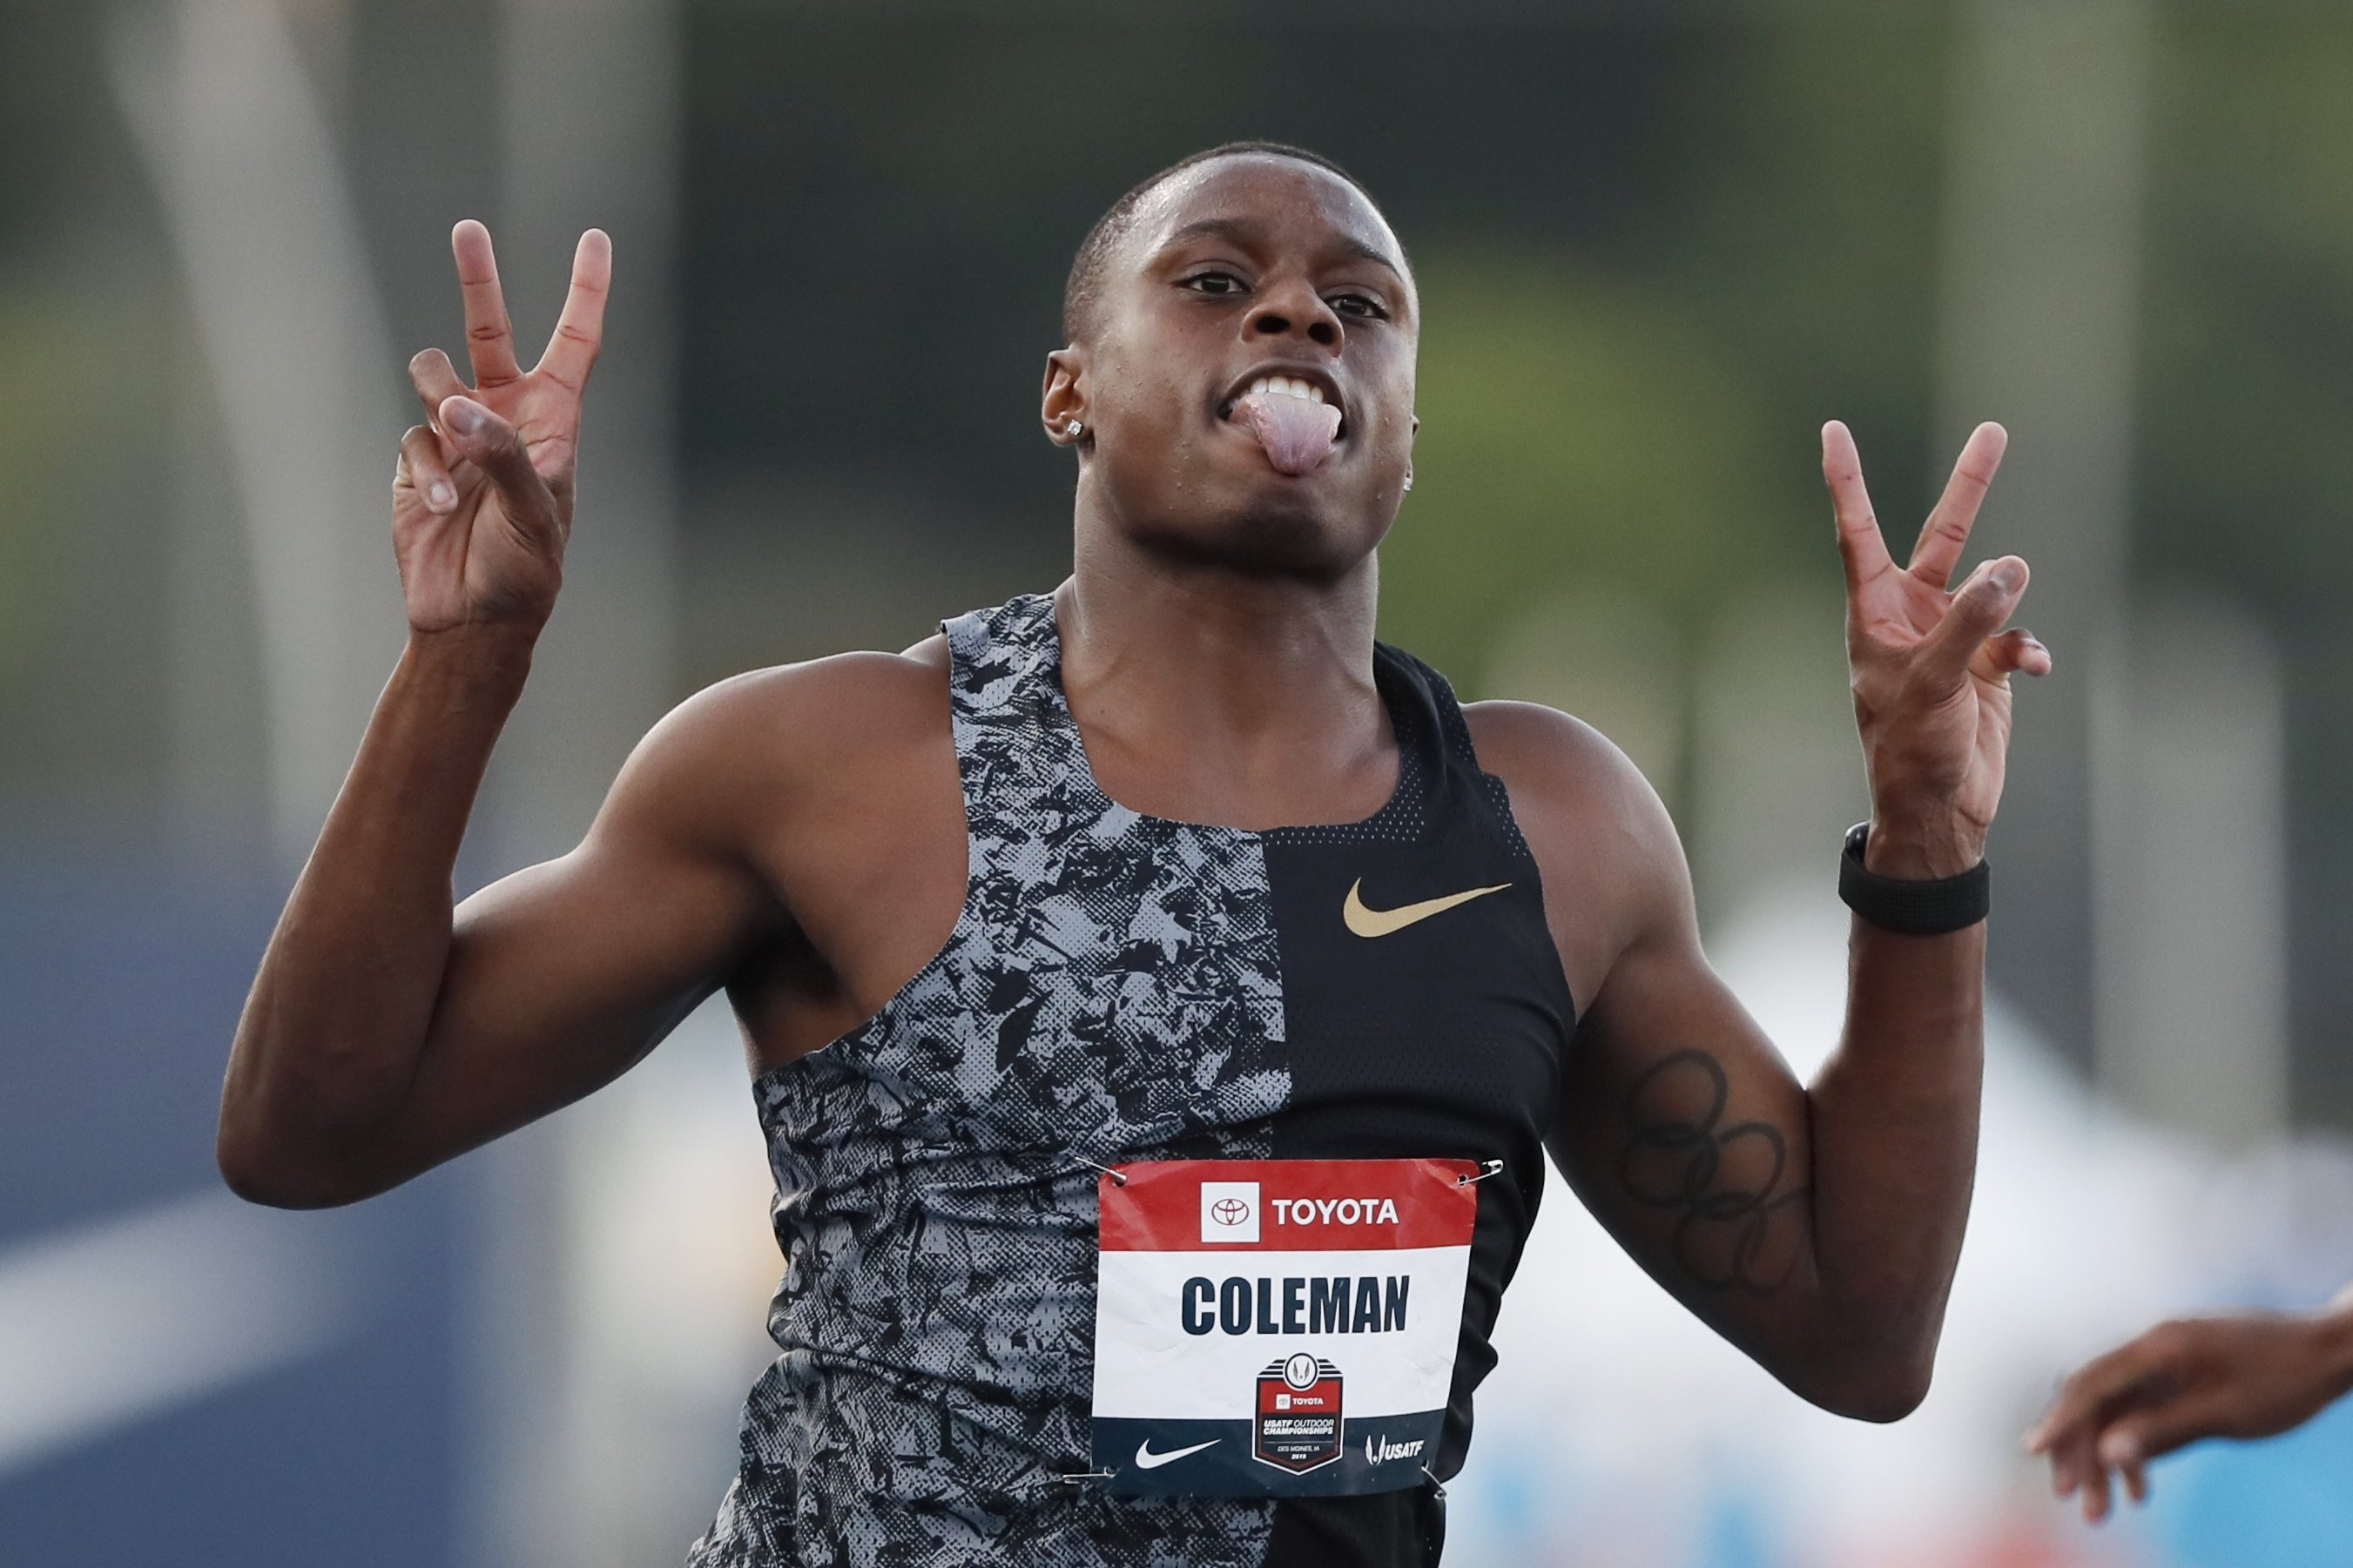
1675	1161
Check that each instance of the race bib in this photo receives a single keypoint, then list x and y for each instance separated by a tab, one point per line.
1278	1328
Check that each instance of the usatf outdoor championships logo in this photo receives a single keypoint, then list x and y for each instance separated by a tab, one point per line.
1298	1420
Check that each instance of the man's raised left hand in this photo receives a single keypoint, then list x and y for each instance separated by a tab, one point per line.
1930	665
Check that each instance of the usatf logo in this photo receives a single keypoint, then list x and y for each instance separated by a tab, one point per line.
1229	1211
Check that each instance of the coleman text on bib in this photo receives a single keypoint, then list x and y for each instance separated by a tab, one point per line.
1278	1328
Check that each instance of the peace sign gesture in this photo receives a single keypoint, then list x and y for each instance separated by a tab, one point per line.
481	503
1930	667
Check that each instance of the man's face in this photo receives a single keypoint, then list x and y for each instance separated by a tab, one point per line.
1241	279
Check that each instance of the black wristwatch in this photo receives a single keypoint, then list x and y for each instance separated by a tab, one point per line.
1934	908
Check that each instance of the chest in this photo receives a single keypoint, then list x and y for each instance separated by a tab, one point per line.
1352	991
1424	1005
1392	980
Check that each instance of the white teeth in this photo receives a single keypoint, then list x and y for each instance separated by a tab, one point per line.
1285	386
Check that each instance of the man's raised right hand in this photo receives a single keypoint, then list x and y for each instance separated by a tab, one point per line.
481	503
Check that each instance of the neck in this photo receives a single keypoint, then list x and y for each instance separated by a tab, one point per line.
1211	692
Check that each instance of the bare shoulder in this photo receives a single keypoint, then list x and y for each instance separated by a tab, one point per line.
767	739
1560	769
1599	830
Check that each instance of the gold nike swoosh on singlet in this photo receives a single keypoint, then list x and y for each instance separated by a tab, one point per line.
1370	922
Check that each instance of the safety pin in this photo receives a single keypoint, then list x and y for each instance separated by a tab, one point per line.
1434	1481
1116	1179
1071	1481
1488	1168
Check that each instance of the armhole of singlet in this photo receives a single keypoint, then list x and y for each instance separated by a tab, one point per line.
966	924
1453	745
1455	748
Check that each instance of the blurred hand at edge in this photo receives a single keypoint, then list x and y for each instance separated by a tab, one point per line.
2249	1375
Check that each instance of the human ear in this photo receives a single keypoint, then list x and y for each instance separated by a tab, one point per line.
1063	406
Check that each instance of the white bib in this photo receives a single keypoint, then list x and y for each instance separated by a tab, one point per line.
1278	1328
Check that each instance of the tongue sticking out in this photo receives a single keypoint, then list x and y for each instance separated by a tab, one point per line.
1296	433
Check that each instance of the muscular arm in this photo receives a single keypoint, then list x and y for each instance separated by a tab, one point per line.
387	1032
384	1030
1817	1226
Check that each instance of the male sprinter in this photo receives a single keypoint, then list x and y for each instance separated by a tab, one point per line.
1161	994
2242	1375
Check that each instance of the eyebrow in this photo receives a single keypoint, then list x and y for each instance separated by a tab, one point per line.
1245	231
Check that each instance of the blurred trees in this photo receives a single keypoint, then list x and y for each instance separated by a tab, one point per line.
86	335
2245	478
1659	243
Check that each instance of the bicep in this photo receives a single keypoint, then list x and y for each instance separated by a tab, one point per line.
562	976
1684	1133
1679	1125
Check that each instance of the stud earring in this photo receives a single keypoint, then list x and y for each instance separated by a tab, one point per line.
1074	430
1408	479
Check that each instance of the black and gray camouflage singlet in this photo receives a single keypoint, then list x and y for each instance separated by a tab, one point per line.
1119	987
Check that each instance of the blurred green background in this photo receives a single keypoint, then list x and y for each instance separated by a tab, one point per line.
1661	244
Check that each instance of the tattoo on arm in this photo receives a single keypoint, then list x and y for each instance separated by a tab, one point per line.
1724	1183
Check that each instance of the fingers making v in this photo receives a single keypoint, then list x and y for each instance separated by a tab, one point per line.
1947	532
571	351
1872	596
490	335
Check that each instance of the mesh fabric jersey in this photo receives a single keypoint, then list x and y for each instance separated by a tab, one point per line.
1119	987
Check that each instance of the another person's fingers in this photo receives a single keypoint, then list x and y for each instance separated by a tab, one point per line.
1947	532
1860	548
2071	1462
489	336
420	459
2135	1477
2063	1471
2095	1492
2089	1391
2066	1433
580	330
2143	1434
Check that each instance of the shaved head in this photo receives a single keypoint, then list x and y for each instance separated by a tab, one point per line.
1238	385
1085	284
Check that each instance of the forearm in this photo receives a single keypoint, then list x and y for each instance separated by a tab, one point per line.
1816	1228
339	1013
1892	1119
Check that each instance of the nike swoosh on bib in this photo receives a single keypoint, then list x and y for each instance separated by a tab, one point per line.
1369	922
1146	1459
